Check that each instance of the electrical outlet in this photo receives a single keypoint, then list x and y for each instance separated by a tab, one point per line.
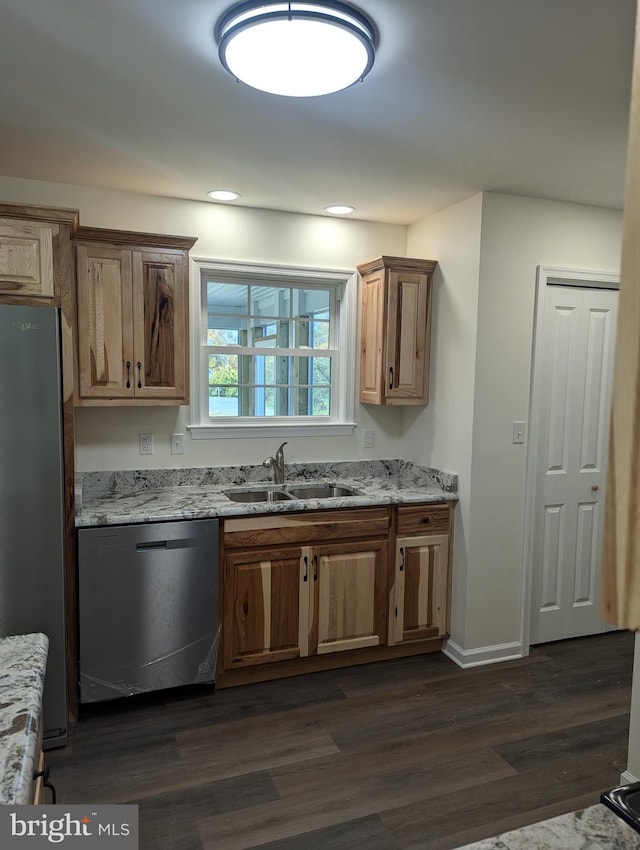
177	444
367	439
146	444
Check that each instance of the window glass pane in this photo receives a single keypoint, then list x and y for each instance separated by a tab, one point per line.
321	371
270	301
270	334
223	385
320	402
311	333
310	302
227	314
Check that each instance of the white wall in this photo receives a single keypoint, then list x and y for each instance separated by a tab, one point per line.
108	438
441	434
481	384
518	234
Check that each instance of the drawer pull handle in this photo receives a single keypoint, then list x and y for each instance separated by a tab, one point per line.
425	520
315	568
139	375
306	568
401	562
128	374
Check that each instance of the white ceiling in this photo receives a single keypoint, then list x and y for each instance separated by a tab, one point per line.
527	97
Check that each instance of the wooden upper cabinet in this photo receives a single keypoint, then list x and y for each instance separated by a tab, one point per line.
26	258
395	330
133	332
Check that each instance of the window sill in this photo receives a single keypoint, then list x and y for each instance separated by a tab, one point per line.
240	431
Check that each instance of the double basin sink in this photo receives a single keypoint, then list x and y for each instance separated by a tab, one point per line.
289	492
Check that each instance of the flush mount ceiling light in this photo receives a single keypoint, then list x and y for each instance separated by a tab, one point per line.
223	195
339	209
296	49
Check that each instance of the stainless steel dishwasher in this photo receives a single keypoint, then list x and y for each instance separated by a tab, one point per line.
148	607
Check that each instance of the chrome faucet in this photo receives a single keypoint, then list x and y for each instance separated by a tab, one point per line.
277	464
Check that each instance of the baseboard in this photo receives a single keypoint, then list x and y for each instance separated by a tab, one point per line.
482	655
627	778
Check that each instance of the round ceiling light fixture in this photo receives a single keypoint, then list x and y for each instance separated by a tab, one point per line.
340	209
296	49
223	195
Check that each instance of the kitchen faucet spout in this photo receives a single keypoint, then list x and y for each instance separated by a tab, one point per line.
277	464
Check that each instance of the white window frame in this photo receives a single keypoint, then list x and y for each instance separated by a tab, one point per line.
340	422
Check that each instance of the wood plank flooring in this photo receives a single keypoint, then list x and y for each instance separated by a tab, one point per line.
408	754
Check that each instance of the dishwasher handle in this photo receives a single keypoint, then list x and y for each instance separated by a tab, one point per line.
150	547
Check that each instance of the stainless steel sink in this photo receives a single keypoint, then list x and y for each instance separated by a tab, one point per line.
258	495
290	493
321	491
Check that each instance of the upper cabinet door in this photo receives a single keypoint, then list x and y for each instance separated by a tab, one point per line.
105	330
160	324
371	340
26	258
133	308
395	330
408	332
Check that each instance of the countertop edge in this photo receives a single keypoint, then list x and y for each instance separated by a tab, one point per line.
23	662
595	826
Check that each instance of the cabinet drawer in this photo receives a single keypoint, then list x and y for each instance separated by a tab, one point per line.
314	526
423	519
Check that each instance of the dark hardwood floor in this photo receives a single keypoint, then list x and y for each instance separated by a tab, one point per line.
399	755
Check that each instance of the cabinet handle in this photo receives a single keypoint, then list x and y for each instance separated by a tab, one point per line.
306	568
46	781
139	375
315	566
390	377
128	374
425	520
402	557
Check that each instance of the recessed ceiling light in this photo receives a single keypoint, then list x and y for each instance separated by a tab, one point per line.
296	49
339	209
223	195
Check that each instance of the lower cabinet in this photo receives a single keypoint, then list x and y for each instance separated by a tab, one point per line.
348	596
420	594
265	609
299	586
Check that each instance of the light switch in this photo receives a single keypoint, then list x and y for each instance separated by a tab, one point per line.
518	432
177	444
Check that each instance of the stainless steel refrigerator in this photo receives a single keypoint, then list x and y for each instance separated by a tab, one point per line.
31	494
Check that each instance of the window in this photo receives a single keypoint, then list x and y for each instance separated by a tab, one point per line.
275	350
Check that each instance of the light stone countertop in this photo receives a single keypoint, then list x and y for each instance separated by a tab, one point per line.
23	663
594	828
118	498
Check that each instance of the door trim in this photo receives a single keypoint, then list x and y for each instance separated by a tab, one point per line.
545	276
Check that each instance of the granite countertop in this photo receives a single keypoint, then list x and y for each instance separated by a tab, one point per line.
595	828
23	662
155	495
